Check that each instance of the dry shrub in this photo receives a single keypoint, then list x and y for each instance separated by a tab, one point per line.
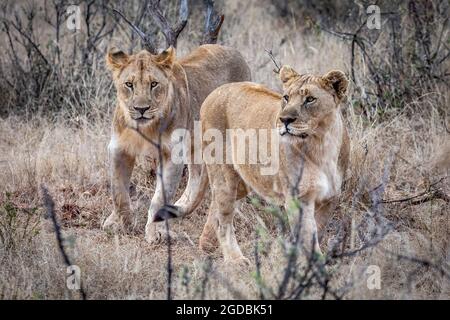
402	149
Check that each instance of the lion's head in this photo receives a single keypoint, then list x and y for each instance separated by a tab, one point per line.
309	103
144	84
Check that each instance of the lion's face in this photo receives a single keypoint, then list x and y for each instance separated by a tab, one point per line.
309	103
143	84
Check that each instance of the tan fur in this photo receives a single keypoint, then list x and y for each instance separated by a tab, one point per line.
322	156
173	103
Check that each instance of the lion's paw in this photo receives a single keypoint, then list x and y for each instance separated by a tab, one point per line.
113	224
155	235
208	244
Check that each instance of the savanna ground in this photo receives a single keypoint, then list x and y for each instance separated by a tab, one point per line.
54	131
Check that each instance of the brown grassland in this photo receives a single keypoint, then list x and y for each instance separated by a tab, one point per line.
400	149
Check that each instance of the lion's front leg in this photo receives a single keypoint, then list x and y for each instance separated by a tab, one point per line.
168	178
308	226
121	169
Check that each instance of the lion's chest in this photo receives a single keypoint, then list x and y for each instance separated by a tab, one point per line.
327	181
316	182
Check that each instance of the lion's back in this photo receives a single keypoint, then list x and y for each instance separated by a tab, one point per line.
242	103
210	66
220	62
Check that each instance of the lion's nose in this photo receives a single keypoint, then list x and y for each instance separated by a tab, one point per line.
141	109
287	120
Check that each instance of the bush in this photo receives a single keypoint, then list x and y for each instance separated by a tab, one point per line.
406	59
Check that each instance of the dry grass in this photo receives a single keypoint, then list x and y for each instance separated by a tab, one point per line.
69	155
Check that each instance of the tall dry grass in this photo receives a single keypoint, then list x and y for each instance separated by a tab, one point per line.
67	152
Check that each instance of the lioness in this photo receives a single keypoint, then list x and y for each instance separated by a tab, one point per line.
156	94
313	152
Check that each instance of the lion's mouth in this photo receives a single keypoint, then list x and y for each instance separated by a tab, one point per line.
283	131
144	119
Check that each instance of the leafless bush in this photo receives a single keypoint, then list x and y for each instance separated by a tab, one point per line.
387	215
44	60
406	59
326	12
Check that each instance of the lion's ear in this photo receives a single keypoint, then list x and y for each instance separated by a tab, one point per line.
287	74
167	57
116	59
338	81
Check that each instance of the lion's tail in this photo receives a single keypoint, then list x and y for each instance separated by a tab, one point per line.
191	198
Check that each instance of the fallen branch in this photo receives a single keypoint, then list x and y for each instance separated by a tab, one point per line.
425	196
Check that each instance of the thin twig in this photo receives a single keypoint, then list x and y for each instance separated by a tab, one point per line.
50	206
277	66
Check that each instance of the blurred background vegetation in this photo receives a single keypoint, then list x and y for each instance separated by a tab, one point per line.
46	67
56	105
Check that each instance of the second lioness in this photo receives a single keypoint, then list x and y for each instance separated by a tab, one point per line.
313	152
157	94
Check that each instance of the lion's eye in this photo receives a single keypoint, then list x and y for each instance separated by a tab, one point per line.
153	84
286	98
310	99
129	84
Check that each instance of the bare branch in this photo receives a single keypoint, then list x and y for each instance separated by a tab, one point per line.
213	23
27	37
149	44
170	33
430	194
